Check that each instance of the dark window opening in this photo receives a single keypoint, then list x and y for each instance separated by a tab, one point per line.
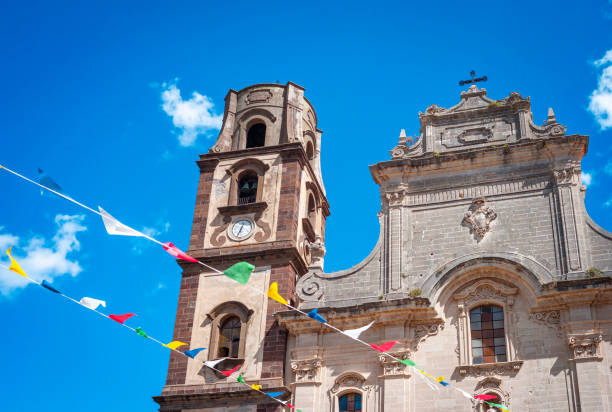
256	136
229	338
312	210
247	189
309	151
488	338
351	402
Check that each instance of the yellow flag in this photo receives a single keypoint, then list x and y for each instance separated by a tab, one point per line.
174	344
440	379
273	294
256	387
427	374
14	265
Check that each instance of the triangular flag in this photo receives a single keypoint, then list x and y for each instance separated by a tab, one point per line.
289	405
274	394
354	333
92	303
212	363
240	272
464	393
273	293
47	285
229	372
174	344
442	381
115	227
240	379
385	346
14	265
193	352
256	387
486	397
45	180
121	318
407	362
141	332
498	406
427	381
315	315
178	253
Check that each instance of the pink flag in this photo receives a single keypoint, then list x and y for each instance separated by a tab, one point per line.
121	318
485	397
385	346
178	253
229	372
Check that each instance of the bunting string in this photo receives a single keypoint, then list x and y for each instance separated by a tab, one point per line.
120	319
241	272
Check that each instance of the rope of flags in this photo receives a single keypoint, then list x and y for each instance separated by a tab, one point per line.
239	272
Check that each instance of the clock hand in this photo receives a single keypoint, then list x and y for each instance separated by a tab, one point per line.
240	231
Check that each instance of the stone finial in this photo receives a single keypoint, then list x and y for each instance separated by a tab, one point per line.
551	117
402	137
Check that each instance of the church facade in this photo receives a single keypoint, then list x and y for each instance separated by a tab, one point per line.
488	269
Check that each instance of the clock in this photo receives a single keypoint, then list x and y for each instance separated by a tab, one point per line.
242	229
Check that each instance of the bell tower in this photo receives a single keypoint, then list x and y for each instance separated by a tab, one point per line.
260	199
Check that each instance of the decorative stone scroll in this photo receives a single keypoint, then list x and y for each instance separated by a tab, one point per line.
423	331
307	370
491	369
391	367
350	380
566	176
585	347
550	318
479	217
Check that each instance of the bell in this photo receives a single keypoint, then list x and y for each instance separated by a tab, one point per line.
245	186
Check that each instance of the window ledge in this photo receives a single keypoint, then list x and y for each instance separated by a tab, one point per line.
241	209
490	369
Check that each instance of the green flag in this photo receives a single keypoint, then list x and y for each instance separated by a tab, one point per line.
240	272
240	379
498	406
407	362
141	332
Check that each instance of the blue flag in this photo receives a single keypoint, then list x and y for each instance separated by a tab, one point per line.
47	285
193	352
45	180
274	394
314	315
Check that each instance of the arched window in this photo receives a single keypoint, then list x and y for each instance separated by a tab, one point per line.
247	188
350	402
256	136
309	151
488	337
229	338
312	209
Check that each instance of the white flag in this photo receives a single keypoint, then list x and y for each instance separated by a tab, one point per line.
464	393
213	363
428	381
354	333
92	303
115	227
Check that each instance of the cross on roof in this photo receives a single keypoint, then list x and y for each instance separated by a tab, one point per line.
473	74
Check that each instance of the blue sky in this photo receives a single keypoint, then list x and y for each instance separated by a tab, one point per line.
102	98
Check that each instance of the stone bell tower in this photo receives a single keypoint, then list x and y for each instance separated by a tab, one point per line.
260	199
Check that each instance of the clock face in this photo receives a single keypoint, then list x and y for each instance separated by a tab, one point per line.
242	228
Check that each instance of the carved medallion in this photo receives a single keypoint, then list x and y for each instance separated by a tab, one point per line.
479	217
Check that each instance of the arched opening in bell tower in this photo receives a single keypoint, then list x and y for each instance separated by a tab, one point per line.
256	136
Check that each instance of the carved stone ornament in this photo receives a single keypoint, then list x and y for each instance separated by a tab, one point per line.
395	198
491	369
435	109
309	287
423	331
479	217
566	176
550	318
317	252
350	380
307	370
259	96
392	367
585	347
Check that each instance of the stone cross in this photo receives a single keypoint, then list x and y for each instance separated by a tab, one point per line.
473	74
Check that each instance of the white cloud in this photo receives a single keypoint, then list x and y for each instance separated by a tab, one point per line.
140	244
608	203
600	104
586	178
43	259
194	116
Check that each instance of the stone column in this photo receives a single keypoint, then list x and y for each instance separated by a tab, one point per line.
565	180
394	383
307	380
590	382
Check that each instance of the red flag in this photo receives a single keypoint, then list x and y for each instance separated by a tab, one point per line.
385	346
229	372
178	253
121	318
291	406
486	397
